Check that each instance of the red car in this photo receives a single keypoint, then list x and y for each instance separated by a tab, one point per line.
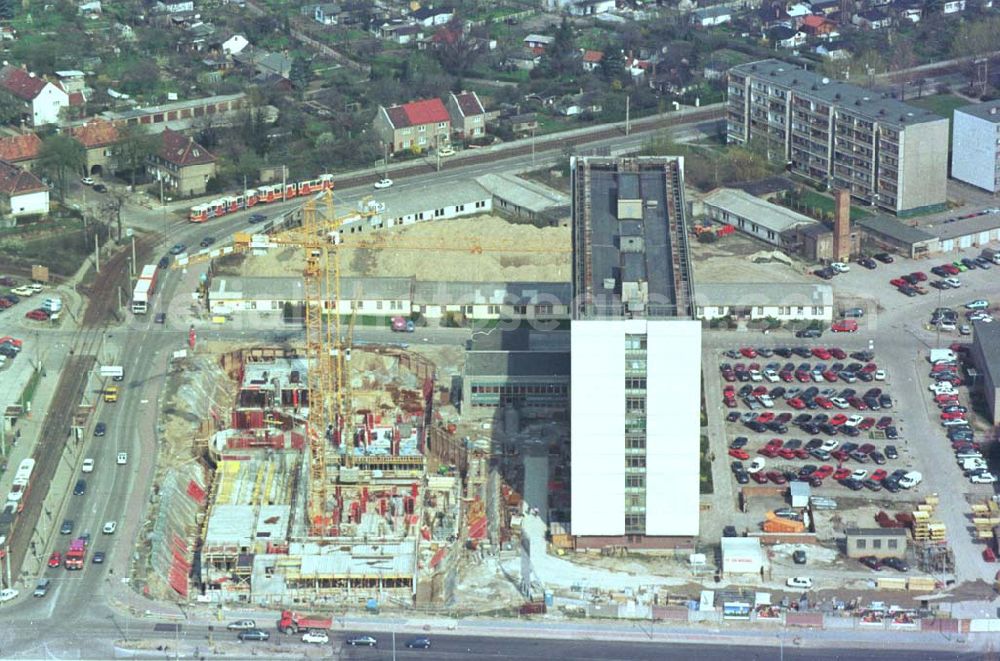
879	475
866	424
38	315
830	376
7	339
821	353
823	472
786	376
4	304
842	474
801	453
729	403
837	353
739	453
776	477
857	403
787	453
867	448
869	368
768	451
823	402
775	443
55	559
953	415
838	419
765	417
748	352
942	399
919	276
803	377
796	403
950	269
729	375
883	422
898	282
845	326
759	478
840	455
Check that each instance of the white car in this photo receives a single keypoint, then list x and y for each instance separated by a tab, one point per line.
771	376
957	422
87	181
110	527
840	267
880	375
316	637
954	283
799	582
946	326
965	329
942	388
23	291
983	478
446	151
859	474
757	465
765	401
911	479
755	375
8	594
88	465
854	420
122	458
829	445
839	402
382	183
978	304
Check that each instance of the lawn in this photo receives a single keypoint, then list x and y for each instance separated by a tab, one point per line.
814	200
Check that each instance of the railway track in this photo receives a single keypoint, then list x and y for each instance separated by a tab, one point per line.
55	435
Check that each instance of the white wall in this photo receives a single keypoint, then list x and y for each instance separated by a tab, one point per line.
46	106
673	395
783	313
30	203
597	410
974	149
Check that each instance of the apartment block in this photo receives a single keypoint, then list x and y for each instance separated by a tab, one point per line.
887	153
635	357
976	145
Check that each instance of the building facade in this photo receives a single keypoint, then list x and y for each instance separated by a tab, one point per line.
634	433
886	153
182	164
878	542
976	145
42	101
98	138
468	117
419	125
21	192
765	300
20	150
985	355
759	218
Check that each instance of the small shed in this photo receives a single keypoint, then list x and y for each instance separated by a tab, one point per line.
742	555
800	492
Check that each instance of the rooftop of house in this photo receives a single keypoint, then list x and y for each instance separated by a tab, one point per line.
415	113
21	83
15	181
870	104
183	151
19	147
95	133
814	21
593	56
468	104
428	12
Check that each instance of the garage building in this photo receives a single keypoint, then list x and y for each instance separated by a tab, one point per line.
968	232
752	301
887	233
742	555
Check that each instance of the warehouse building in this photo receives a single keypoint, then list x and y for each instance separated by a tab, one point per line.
887	233
886	153
985	356
399	207
764	300
634	433
523	198
757	217
975	136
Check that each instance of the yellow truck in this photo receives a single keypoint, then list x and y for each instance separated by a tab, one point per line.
111	394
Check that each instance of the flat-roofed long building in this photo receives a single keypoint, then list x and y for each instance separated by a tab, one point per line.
885	152
635	359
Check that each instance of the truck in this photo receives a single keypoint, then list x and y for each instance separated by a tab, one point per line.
145	287
402	325
76	555
992	254
938	355
115	372
111	394
293	622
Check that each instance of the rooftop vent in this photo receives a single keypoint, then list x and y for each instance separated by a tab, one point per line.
837	96
993	110
865	99
814	88
795	81
857	102
826	81
609	283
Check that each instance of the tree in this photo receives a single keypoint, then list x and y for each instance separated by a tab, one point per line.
59	156
135	145
255	132
612	65
11	109
7	9
300	72
976	39
559	57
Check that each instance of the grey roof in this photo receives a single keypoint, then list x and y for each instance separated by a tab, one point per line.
870	104
517	363
399	203
965	226
892	228
987	338
167	107
766	214
714	11
876	532
763	293
988	110
523	193
765	186
521	338
290	288
490	293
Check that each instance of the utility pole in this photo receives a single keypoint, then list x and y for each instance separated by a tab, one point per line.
284	174
97	254
133	255
628	107
532	147
6	557
163	212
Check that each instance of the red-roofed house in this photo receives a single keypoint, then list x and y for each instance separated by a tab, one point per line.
182	164
817	26
468	117
21	150
42	100
416	125
21	193
97	136
591	59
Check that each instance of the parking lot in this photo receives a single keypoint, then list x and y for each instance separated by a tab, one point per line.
789	433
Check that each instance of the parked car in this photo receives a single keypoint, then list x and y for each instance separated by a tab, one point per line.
241	625
253	635
383	183
800	582
364	641
884	257
419	643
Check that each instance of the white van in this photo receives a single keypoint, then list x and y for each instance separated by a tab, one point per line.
911	479
52	304
938	355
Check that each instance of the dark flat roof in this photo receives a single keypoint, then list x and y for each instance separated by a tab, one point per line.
892	228
988	110
517	363
522	338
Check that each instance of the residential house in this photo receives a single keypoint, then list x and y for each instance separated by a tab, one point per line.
174	6
835	49
525	60
826	8
676	79
578	104
952	7
399	31
580	7
182	164
817	26
43	101
278	64
637	67
234	44
89	8
783	36
872	19
98	137
524	124
326	14
20	150
416	125
21	193
771	15
591	59
468	117
431	16
538	42
7	33
709	16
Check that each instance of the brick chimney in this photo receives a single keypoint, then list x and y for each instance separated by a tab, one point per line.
841	225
